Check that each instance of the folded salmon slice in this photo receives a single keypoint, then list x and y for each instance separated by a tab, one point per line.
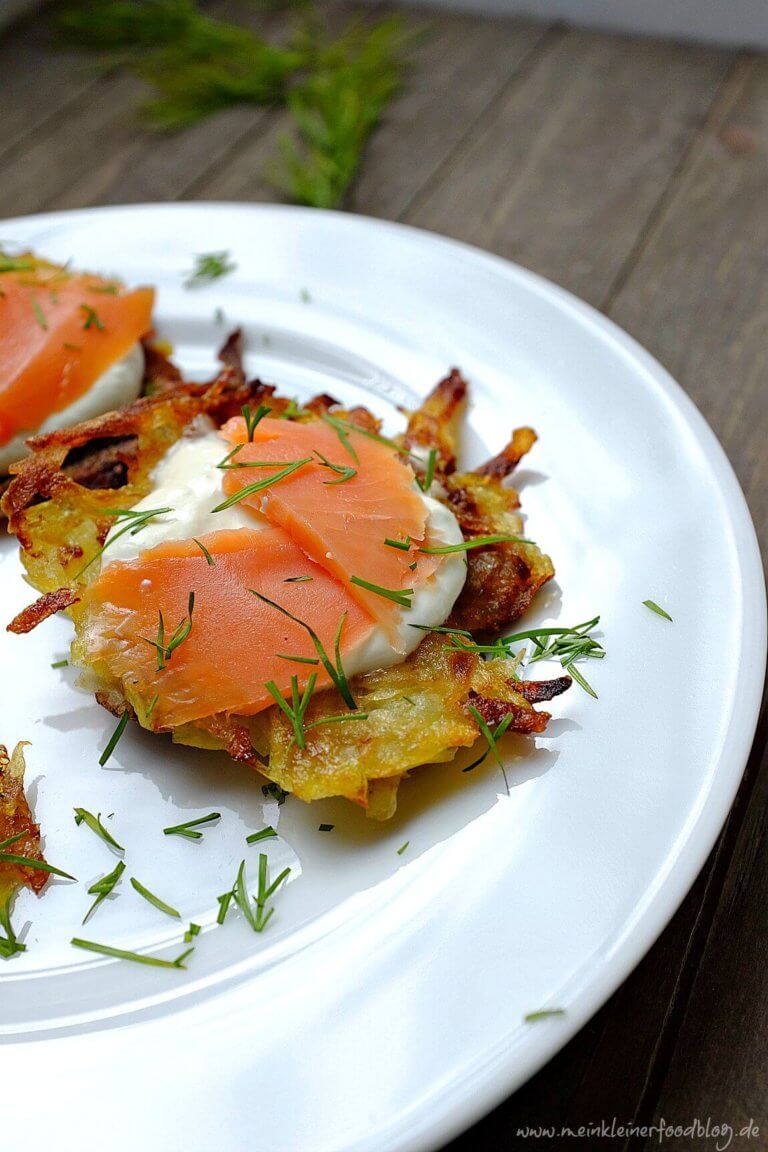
59	332
237	642
341	526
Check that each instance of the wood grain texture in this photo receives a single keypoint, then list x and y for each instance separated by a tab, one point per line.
565	171
634	173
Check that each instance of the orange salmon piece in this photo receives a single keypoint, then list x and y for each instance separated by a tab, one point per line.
58	333
233	647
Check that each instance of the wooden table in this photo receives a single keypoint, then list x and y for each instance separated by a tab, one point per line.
635	173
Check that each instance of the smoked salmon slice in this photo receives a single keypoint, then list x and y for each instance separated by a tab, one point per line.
342	507
237	642
59	331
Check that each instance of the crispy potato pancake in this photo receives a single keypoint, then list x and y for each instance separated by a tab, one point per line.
22	838
420	711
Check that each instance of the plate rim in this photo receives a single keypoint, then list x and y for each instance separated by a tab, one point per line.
498	1076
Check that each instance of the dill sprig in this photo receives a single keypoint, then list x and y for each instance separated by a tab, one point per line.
401	596
267	833
654	607
342	473
542	1014
39	315
474	542
196	64
120	727
425	482
10	263
342	719
336	107
259	916
342	428
35	865
208	558
313	660
275	792
12	840
252	419
155	901
492	738
91	318
189	829
564	644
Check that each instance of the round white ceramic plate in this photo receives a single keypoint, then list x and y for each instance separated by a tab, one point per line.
383	1007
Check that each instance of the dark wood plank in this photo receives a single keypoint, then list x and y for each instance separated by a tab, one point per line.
694	293
462	65
579	155
250	166
566	170
37	85
720	1064
100	152
99	126
628	1065
609	1067
698	295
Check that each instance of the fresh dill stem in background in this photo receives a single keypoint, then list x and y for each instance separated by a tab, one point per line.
336	89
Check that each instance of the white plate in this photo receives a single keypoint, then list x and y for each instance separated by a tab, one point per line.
383	1008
